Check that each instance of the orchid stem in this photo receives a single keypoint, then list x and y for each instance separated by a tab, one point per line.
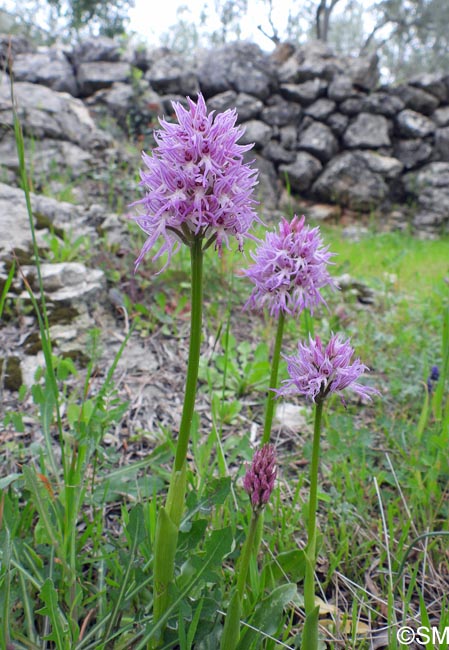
271	397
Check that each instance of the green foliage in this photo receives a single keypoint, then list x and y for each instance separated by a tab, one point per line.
111	17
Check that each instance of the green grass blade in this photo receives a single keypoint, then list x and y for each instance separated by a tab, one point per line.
60	633
6	287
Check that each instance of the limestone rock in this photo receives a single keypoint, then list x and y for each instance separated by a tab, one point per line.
170	75
429	186
240	66
417	99
68	282
341	88
441	116
49	67
248	107
45	113
302	172
348	180
275	151
433	84
319	141
304	93
321	109
367	131
412	152
94	75
442	144
411	124
280	112
256	132
99	48
381	103
338	123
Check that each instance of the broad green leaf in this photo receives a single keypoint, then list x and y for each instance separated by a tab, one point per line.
60	629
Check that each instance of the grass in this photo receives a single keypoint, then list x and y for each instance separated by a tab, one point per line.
78	516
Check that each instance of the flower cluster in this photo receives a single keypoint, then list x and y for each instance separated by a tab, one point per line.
260	477
317	371
290	268
433	378
196	182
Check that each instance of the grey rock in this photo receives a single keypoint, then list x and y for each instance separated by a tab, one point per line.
321	109
100	48
338	123
319	141
49	67
275	151
412	152
94	75
347	180
442	144
367	131
256	132
389	167
302	172
341	88
45	113
411	124
248	107
364	71
267	190
431	83
280	112
240	66
417	99
50	155
288	136
351	106
69	282
441	116
13	45
171	75
304	93
381	103
429	188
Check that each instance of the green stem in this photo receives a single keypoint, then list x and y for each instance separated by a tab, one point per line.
196	261
247	552
270	404
309	583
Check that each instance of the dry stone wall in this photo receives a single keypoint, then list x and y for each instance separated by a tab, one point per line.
320	123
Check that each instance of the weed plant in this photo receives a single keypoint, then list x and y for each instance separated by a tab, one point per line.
78	519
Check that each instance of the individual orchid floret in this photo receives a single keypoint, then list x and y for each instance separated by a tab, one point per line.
316	371
260	476
196	182
290	269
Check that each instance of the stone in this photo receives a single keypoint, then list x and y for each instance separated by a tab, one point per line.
171	75
387	166
412	152
275	151
239	66
45	113
248	107
288	136
441	116
338	123
417	99
319	141
49	67
302	172
304	93
13	45
268	188
431	83
347	180
256	132
68	282
48	213
93	75
381	103
321	109
66	157
341	88
280	112
351	106
429	189
99	48
411	124
442	144
367	131
363	71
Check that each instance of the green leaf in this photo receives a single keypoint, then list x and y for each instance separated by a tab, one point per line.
267	615
290	563
7	480
310	631
60	627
